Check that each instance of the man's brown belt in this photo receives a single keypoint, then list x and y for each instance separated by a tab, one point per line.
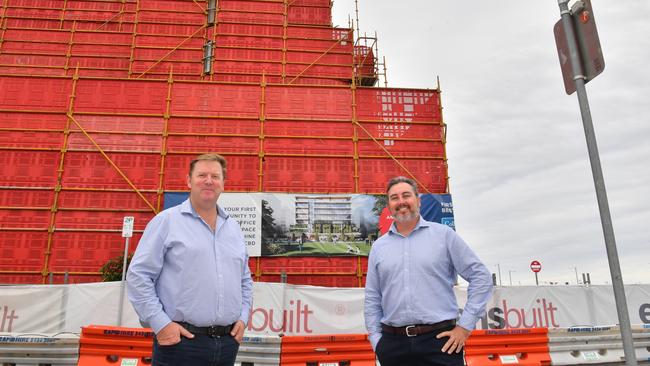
417	329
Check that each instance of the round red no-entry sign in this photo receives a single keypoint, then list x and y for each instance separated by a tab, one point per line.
535	266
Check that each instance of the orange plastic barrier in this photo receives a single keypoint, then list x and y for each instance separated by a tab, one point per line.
520	346
320	350
101	345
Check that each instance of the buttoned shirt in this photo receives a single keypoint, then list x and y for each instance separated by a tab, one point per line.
182	270
411	278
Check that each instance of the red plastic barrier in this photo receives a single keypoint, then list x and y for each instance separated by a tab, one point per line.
340	349
521	346
101	345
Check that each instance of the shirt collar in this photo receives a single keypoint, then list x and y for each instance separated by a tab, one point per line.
421	223
186	207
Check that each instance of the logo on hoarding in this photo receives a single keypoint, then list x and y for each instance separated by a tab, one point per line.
339	309
385	220
8	317
541	315
449	221
293	319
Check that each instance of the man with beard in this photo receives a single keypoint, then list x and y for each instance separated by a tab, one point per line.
410	306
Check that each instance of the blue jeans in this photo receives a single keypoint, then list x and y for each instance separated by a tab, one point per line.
422	350
199	351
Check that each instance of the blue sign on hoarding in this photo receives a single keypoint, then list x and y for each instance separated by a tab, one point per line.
174	199
438	208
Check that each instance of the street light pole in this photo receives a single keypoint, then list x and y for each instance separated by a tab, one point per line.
577	280
510	275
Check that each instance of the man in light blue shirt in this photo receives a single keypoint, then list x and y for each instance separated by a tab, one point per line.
189	278
410	306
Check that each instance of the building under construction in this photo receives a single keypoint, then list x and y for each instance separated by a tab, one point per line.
104	102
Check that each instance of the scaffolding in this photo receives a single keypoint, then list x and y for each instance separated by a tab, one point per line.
103	103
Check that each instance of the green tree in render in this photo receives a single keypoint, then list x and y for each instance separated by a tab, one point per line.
380	203
268	222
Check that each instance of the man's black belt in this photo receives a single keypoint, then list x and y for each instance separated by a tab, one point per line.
417	329
211	331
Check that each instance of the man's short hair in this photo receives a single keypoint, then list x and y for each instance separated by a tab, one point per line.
401	179
210	157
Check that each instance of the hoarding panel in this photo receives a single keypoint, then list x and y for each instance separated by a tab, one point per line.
23	250
297	174
89	169
405	105
307	103
121	96
34	93
376	172
216	100
315	129
21	168
107	200
86	251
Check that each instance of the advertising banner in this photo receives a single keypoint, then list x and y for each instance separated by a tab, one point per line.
25	308
308	310
278	224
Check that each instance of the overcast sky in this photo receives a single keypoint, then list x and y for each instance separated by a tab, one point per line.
519	169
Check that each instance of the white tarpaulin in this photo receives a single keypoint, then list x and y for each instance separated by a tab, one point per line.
290	309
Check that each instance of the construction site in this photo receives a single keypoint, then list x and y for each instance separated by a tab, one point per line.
103	104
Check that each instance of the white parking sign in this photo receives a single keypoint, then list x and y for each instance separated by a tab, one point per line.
127	227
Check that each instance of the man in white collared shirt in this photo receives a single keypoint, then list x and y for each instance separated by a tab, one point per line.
189	278
410	306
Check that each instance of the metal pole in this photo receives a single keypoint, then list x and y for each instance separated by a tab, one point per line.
510	276
536	280
499	268
207	57
599	182
120	306
577	280
212	10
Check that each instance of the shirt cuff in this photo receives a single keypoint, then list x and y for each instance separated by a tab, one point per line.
159	321
374	339
468	321
244	316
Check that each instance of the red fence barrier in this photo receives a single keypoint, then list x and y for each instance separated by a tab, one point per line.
525	346
338	349
104	345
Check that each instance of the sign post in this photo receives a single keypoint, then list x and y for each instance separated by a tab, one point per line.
587	46
585	59
535	266
127	232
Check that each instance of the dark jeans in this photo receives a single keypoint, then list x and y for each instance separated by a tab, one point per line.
422	350
199	351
